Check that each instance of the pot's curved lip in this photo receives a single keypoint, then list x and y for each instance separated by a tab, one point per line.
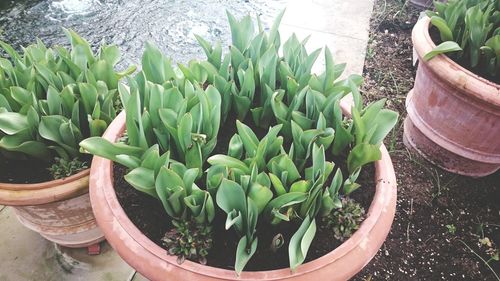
44	192
119	229
450	71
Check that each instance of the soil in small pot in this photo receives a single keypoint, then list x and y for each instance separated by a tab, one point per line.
23	171
27	171
150	218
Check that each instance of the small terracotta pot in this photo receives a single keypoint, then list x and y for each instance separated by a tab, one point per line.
59	210
453	114
153	262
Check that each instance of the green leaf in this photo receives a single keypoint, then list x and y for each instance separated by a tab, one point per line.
184	131
302	186
362	154
443	48
277	184
12	122
336	183
17	143
231	196
155	66
244	253
385	122
235	149
170	189
300	242
229	162
261	195
103	71
142	179
444	30
104	148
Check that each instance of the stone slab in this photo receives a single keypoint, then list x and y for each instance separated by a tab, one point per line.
344	49
28	256
340	17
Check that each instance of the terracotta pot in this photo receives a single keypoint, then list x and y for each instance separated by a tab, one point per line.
59	210
453	115
422	4
153	262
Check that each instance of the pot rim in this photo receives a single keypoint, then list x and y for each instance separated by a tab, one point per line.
450	71
16	194
118	228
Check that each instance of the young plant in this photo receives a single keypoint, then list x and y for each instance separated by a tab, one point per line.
470	32
343	222
188	240
63	168
51	99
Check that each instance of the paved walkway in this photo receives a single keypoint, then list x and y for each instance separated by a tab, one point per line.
342	25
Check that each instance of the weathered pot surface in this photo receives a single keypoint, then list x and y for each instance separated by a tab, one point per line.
153	262
59	210
453	114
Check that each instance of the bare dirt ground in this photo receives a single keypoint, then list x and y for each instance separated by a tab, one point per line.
447	227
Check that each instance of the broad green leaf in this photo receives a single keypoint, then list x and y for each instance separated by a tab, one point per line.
12	122
244	253
229	162
362	154
300	242
143	180
443	48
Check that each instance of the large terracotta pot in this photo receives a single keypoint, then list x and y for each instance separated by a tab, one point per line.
453	115
59	210
153	262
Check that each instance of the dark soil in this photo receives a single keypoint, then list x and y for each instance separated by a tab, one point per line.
439	215
149	216
23	171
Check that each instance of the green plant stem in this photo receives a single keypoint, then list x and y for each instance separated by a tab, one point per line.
481	258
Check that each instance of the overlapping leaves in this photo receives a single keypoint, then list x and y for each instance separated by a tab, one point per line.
51	99
470	31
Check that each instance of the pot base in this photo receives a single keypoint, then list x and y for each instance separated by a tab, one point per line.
69	223
415	140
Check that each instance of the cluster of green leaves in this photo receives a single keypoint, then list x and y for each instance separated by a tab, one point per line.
172	124
258	178
159	176
166	108
51	99
343	222
471	30
63	168
189	240
173	117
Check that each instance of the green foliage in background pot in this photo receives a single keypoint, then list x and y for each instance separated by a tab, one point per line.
173	118
51	99
471	30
